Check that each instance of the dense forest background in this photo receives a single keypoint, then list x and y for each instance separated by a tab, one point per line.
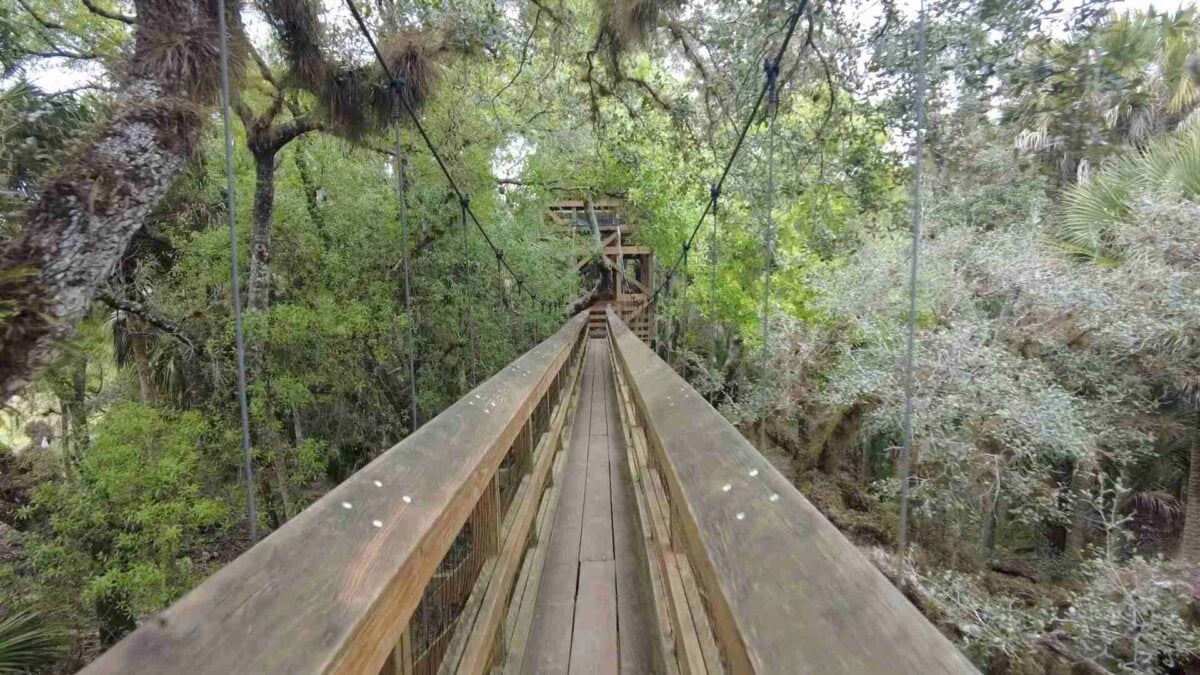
1056	455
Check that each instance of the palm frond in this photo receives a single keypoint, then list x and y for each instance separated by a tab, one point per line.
29	640
1156	504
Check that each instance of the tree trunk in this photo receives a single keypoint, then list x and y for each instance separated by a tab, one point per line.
310	190
139	344
1189	548
1081	482
991	524
259	302
259	293
76	232
593	226
77	409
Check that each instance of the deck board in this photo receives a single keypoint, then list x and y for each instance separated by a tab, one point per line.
633	623
592	614
597	541
594	646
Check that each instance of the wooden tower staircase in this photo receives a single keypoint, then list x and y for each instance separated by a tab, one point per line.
628	265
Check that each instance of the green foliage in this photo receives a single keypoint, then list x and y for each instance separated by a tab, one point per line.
1094	210
1052	392
127	524
28	641
1127	617
1077	99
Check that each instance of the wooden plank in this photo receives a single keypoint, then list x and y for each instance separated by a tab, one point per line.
399	661
627	250
478	627
594	646
802	572
664	655
553	621
708	645
554	608
477	656
693	639
406	650
519	640
568	522
525	607
688	653
522	590
599	416
330	591
633	616
597	538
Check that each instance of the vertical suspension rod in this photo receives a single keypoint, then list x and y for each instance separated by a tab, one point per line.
771	68
238	333
408	312
714	193
910	351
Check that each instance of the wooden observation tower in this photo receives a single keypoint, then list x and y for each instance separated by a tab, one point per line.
624	272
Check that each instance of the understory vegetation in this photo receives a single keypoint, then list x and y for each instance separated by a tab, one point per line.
1055	486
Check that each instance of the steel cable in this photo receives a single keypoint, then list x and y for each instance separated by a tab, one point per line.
906	447
238	333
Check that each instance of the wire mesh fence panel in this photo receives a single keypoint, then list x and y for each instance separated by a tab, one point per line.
436	618
513	468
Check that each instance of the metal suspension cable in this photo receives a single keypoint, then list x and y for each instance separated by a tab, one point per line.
686	303
772	72
412	114
714	194
793	21
238	334
412	339
906	448
468	309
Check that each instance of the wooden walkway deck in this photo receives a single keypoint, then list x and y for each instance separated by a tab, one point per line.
592	613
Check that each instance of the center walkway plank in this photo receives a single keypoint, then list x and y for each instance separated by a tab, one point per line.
591	614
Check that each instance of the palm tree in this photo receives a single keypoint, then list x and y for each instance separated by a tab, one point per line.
1078	100
1094	211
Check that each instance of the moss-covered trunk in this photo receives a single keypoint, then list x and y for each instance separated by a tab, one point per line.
85	217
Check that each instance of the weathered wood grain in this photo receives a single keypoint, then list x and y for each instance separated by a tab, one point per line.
634	629
594	642
664	640
787	592
487	632
597	540
549	648
330	591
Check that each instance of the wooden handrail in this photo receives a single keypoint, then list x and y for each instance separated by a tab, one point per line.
332	591
783	590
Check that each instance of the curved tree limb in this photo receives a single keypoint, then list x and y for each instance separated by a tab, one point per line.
115	16
150	316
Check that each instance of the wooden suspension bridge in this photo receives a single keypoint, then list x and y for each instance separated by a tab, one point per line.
583	511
